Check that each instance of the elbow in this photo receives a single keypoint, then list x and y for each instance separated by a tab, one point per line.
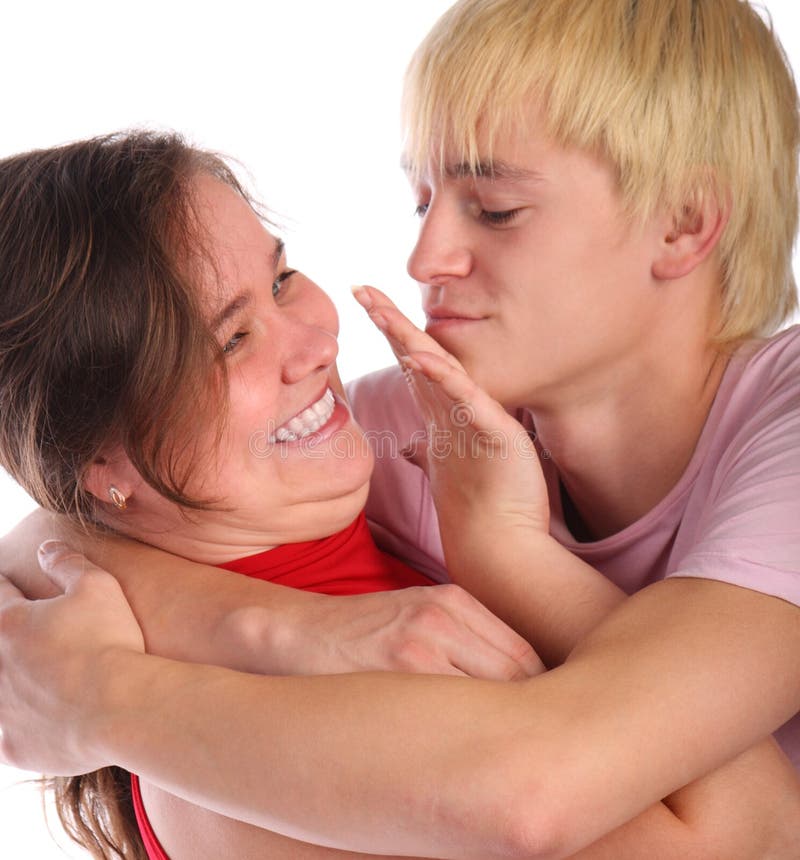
529	828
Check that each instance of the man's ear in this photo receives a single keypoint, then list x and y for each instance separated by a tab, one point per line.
111	470
691	237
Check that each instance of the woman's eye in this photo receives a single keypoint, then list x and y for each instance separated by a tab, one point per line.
231	345
421	210
497	218
277	284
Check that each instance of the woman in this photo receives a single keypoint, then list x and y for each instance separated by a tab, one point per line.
151	332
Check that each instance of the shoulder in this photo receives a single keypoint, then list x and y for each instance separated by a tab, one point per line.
741	523
382	401
769	367
758	399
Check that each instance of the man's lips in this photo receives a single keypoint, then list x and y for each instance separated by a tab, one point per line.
441	320
439	314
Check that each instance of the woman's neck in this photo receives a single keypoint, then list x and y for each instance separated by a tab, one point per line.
219	536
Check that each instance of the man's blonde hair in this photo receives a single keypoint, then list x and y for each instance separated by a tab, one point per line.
683	97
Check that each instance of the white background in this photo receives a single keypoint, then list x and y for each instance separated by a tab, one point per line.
304	93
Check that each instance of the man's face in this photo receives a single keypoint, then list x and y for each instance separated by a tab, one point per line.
532	274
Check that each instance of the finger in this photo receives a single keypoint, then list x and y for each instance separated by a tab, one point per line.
469	404
431	396
371	297
61	564
511	660
9	593
490	664
405	337
499	648
423	393
398	329
493	659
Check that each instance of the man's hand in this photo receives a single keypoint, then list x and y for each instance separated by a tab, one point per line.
483	467
198	613
52	656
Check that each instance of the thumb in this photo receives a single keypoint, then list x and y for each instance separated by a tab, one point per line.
62	565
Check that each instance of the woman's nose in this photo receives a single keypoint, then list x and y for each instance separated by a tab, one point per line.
441	251
312	349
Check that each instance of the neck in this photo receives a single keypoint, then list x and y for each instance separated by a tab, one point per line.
620	452
217	537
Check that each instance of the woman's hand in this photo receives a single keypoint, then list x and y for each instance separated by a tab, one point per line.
53	654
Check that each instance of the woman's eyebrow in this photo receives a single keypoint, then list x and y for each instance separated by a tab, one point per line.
231	309
244	299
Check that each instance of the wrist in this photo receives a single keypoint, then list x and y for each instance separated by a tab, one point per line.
275	638
123	691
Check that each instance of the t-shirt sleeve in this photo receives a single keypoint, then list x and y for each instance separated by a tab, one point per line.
747	532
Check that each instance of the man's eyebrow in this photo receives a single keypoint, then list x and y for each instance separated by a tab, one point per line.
244	299
275	256
492	170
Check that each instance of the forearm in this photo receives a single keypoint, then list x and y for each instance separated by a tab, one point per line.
203	614
379	784
542	590
187	611
542	768
749	809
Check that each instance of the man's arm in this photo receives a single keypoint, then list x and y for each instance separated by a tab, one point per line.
204	614
493	515
421	765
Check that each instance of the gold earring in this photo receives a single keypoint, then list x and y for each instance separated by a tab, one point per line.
118	499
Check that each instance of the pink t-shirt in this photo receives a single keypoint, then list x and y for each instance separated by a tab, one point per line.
733	516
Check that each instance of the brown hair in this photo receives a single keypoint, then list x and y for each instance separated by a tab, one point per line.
102	343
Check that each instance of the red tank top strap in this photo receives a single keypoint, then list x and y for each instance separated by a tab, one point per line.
153	847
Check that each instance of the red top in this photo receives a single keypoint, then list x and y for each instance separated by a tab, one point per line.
344	563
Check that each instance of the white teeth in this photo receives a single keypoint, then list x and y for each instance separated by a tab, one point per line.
308	421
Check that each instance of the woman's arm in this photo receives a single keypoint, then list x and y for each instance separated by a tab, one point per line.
204	614
421	765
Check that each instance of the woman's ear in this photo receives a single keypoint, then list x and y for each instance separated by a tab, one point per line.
112	479
691	237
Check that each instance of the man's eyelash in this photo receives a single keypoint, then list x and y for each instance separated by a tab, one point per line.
496	218
278	282
486	215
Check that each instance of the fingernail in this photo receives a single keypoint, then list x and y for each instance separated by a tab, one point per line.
50	550
51	547
362	296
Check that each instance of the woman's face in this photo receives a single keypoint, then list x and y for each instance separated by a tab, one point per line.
291	465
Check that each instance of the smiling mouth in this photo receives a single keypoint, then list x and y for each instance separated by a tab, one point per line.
308	421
